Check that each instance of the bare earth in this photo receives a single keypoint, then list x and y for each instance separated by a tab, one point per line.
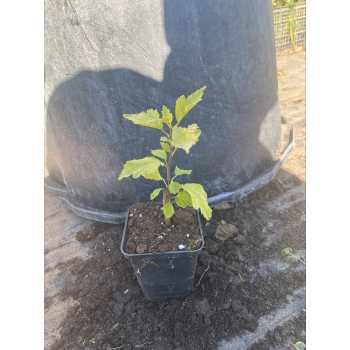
247	296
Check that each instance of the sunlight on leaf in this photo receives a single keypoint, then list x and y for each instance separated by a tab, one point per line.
185	138
179	171
155	193
184	105
199	198
167	116
159	153
150	119
165	146
154	175
138	167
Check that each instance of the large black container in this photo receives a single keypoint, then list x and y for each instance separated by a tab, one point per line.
168	275
105	58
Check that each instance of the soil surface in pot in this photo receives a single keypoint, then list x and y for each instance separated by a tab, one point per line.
240	285
147	232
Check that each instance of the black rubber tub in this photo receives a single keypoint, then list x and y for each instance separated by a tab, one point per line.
168	275
103	60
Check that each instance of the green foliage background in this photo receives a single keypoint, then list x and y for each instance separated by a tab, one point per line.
280	3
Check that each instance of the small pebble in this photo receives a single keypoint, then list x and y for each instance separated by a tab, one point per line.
207	224
161	237
222	222
140	215
126	291
225	231
181	246
172	225
131	215
162	223
187	235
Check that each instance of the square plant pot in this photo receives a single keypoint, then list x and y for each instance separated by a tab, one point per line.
165	275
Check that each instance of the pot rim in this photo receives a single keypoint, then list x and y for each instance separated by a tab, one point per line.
176	252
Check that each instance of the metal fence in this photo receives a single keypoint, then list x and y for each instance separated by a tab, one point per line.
290	27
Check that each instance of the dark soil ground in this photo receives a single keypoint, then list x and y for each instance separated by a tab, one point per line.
238	283
248	297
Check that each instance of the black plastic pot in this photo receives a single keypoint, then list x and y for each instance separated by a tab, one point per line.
168	275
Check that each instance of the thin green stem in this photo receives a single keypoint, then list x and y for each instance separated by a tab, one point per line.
166	193
171	154
165	133
296	257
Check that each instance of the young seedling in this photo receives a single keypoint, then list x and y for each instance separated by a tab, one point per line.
185	195
287	255
192	243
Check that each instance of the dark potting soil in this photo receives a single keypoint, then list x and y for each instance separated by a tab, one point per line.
234	287
147	232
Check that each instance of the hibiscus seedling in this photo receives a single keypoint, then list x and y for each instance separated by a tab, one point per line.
176	137
287	255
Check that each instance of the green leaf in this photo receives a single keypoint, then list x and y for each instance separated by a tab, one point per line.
168	210
185	138
150	119
199	198
167	116
155	193
174	187
165	146
137	167
183	199
179	171
159	153
299	345
286	251
183	105
154	175
165	139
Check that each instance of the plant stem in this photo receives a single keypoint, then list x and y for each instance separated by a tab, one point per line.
170	158
296	257
166	193
166	199
301	261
